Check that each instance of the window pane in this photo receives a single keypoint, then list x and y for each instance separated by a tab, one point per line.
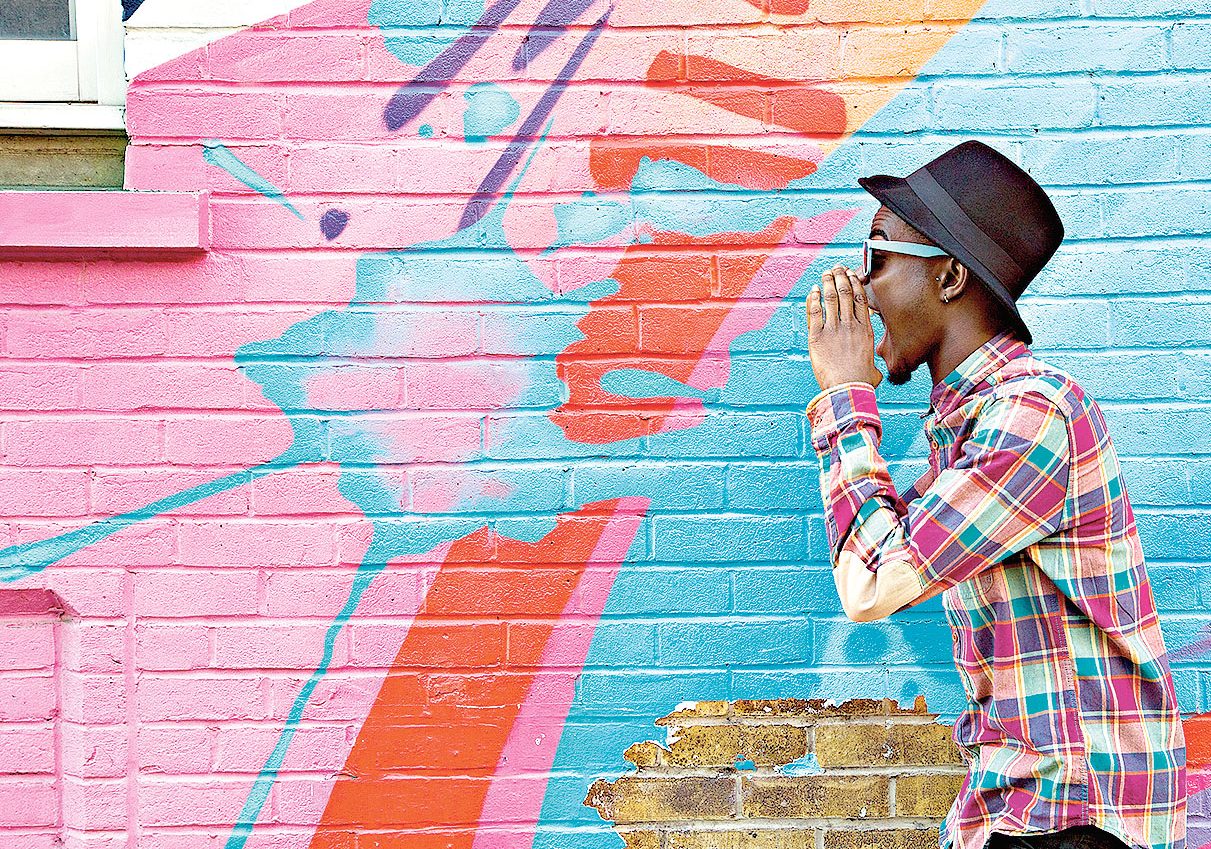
37	19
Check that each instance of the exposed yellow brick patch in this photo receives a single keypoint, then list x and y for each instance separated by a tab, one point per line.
885	777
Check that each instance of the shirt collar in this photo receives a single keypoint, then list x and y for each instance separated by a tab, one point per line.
974	370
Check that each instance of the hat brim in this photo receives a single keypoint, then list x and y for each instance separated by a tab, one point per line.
897	195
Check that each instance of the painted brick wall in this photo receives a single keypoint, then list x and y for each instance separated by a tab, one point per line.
474	444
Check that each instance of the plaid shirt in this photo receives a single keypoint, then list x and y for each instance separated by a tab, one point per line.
1022	523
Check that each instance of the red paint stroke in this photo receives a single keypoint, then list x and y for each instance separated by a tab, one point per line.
675	336
796	105
422	765
614	164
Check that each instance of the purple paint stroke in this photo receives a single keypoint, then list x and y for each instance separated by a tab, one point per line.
333	223
558	14
546	104
432	79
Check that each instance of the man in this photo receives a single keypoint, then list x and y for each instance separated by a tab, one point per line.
1071	734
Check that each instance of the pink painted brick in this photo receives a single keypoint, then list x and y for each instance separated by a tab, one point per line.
416	438
152	838
94	699
174	749
355	387
355	113
194	592
94	840
41	282
88	591
300	491
245	748
228	439
326	14
81	442
323	593
45	493
295	276
119	490
94	804
85	333
28	698
27	642
217	697
341	696
49	839
162	647
468	385
39	387
209	279
220	332
180	167
28	802
493	60
287	57
262	543
93	647
170	112
148	543
300	800
27	749
276	646
170	801
94	751
162	386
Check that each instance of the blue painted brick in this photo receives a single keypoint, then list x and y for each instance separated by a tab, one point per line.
907	112
728	434
797	590
737	538
787	485
1014	106
735	643
975	49
1144	430
649	591
1180	536
1100	159
1148	212
1170	99
1068	323
1111	269
682	486
1160	323
902	641
1191	45
1068	47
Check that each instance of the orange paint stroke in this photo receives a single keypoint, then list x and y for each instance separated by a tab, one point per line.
614	164
422	764
794	105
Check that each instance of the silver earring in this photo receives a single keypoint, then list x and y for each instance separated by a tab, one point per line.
945	298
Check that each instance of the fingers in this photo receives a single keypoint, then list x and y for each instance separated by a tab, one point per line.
844	298
828	284
815	313
861	307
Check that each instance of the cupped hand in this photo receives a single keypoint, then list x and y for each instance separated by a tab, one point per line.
840	338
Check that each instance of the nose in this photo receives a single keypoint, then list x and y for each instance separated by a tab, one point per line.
870	297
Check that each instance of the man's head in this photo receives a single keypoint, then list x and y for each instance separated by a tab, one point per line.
998	228
924	300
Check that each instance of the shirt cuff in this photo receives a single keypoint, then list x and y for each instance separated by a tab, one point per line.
839	408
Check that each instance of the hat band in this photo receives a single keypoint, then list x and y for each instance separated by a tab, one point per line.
952	217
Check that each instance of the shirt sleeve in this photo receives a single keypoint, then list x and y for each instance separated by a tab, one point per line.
1005	490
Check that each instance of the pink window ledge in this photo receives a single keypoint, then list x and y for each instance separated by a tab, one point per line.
79	224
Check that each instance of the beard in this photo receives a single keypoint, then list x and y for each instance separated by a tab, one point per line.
898	374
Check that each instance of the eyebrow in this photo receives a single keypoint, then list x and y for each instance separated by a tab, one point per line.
878	231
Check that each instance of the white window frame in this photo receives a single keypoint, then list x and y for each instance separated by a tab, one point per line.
78	85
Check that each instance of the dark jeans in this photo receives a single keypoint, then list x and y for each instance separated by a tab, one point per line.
1077	837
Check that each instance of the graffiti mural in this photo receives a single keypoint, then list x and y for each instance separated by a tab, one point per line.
475	442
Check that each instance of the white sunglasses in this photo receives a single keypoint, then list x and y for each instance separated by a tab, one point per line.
910	248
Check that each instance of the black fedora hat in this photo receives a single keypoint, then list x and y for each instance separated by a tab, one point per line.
983	210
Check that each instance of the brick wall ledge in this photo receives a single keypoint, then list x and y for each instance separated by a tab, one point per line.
68	225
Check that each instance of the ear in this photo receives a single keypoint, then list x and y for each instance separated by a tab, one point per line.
953	281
